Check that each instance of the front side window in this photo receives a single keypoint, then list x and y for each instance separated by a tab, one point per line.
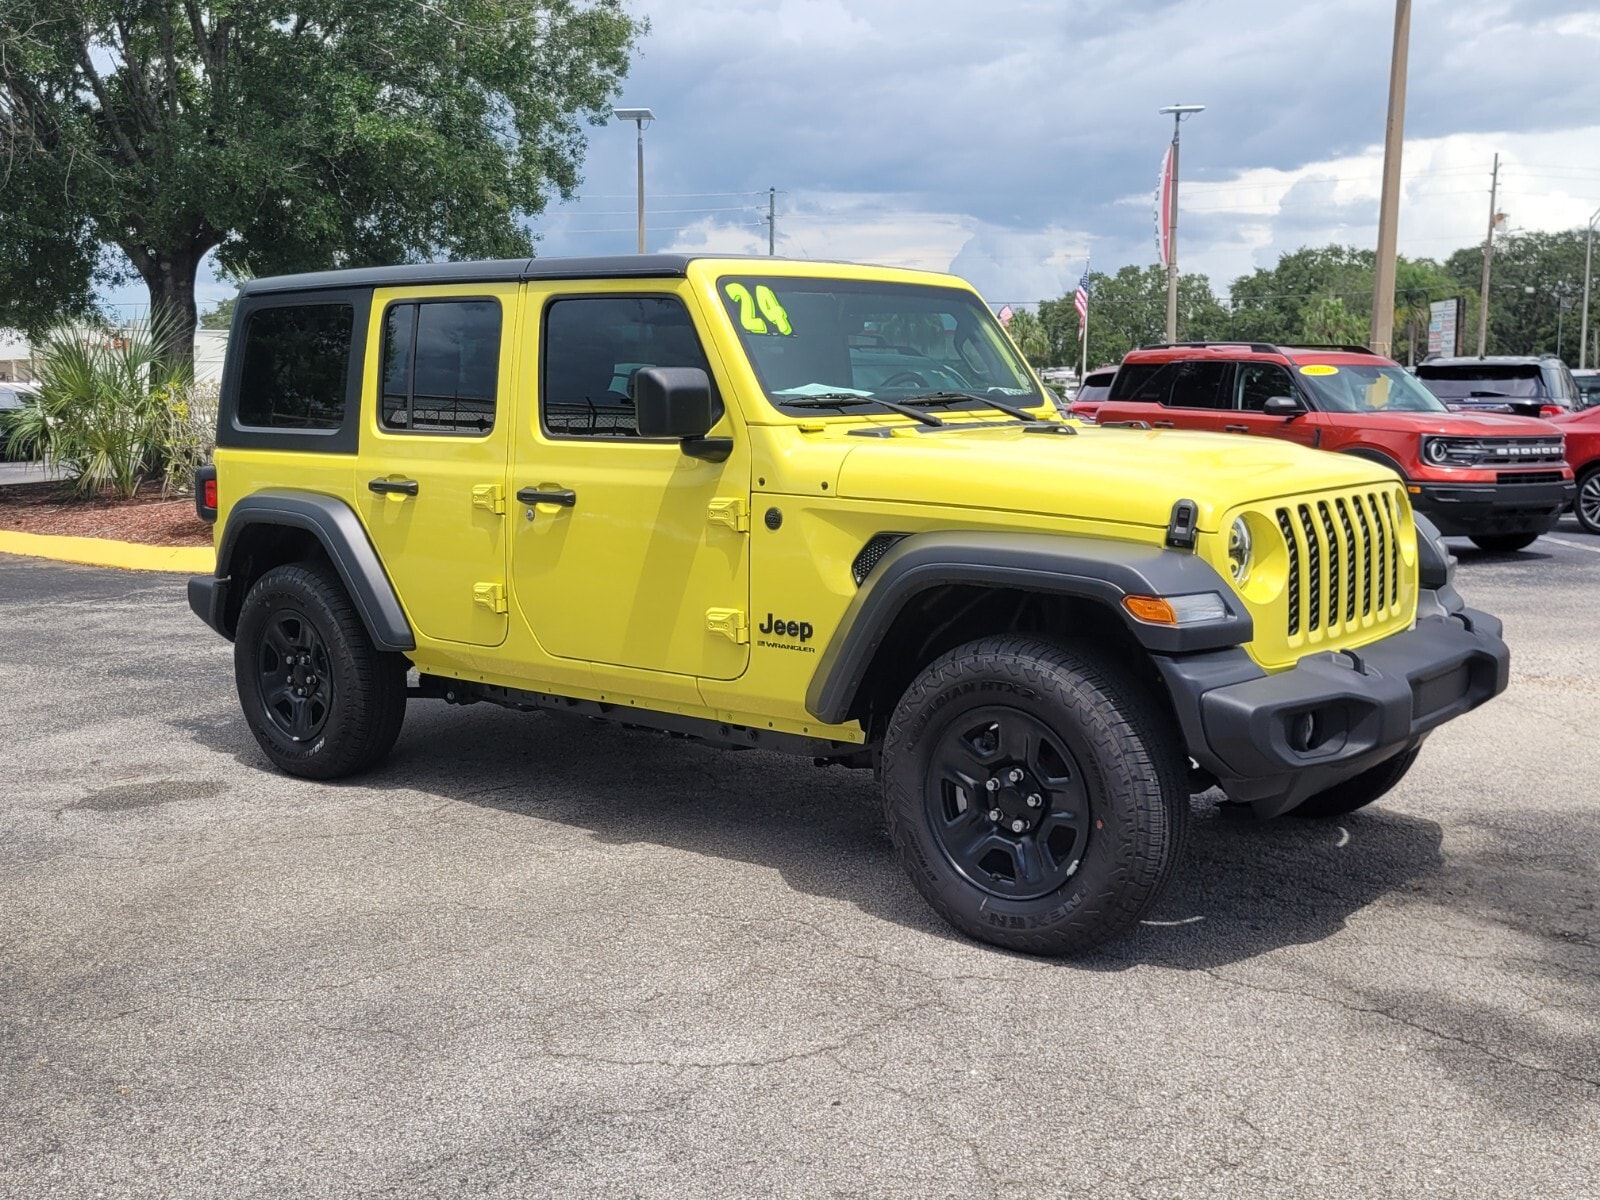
441	366
595	345
1260	382
820	343
296	367
1367	388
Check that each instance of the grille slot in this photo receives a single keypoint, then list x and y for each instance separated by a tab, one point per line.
1334	578
1527	477
1294	570
1314	565
1349	560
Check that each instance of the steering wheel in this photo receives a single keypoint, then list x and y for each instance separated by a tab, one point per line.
904	379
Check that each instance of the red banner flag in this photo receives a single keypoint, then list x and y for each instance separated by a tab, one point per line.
1164	209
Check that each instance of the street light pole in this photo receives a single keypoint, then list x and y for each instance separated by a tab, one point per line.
639	116
1179	112
1588	262
1389	206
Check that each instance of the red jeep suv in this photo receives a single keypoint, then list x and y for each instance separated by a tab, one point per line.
1500	480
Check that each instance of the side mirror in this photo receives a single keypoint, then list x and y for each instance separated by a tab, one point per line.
1282	406
675	402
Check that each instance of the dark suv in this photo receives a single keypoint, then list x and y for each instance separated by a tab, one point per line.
1528	385
1499	479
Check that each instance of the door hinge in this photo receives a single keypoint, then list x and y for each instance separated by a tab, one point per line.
730	623
491	497
731	512
491	595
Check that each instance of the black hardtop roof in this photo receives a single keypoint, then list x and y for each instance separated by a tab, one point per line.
496	270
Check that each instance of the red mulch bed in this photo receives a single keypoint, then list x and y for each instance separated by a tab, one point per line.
147	518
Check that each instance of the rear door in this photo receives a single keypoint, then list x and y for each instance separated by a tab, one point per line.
436	437
1191	394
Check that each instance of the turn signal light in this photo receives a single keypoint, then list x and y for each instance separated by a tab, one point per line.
1176	610
1150	608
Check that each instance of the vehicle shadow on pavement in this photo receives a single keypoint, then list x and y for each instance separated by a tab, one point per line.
1244	887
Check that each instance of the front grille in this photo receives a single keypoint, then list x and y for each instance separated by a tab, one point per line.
1528	477
1344	563
1492	451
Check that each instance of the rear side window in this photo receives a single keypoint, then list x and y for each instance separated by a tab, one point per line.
441	366
593	347
1130	380
296	367
1176	384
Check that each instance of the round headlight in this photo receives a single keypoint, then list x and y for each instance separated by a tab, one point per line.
1435	450
1239	550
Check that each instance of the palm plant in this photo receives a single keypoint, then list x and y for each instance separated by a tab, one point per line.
103	408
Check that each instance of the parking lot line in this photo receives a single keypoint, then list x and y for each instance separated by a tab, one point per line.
1571	545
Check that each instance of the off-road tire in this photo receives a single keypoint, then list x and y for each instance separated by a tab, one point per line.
1504	543
1359	791
1125	752
1586	504
362	689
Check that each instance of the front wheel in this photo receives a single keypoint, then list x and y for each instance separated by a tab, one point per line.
1504	543
1586	506
1034	793
321	699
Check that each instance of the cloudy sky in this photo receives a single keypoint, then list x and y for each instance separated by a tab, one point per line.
1006	140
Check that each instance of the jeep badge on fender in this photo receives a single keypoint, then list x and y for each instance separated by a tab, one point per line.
407	478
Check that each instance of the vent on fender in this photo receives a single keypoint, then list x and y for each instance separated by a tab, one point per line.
872	553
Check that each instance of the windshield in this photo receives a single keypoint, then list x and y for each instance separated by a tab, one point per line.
810	340
1367	389
1463	383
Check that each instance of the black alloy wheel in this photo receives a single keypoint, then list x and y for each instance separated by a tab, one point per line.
294	676
1007	804
1586	506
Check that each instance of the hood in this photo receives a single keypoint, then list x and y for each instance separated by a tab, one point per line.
1126	476
1453	424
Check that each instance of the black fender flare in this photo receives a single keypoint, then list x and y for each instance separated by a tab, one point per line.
339	531
1379	457
1099	570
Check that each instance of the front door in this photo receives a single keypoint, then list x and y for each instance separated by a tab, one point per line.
1254	384
625	551
435	438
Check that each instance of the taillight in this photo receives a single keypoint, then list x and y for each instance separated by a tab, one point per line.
205	493
1550	410
211	493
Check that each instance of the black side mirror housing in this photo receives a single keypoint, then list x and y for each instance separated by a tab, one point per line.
1282	406
675	402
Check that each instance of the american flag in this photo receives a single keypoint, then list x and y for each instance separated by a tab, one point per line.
1080	301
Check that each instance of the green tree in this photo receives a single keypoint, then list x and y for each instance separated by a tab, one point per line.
135	138
1327	321
1129	309
1417	284
1271	303
1523	321
220	317
1028	332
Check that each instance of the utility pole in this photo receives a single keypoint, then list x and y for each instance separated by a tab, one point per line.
1179	112
640	117
1588	263
772	222
1488	257
1382	336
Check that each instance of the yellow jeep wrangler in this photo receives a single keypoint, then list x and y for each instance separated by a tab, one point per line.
823	509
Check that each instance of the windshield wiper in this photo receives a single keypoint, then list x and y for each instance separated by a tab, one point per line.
1506	395
953	397
852	400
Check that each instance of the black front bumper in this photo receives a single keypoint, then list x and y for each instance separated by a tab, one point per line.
1275	740
1461	510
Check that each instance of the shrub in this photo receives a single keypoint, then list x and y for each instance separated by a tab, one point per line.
109	410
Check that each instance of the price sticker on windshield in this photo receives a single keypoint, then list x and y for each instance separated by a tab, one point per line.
1319	369
761	312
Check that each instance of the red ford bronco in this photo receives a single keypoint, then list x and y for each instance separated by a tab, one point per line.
1499	480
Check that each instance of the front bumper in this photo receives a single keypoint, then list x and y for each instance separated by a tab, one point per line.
1275	740
1461	510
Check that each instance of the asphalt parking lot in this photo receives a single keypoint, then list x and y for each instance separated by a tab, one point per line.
539	957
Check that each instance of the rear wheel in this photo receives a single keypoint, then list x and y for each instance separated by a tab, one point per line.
1586	507
1504	543
1034	794
321	699
1359	791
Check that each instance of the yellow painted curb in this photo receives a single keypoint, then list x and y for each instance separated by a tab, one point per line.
103	552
